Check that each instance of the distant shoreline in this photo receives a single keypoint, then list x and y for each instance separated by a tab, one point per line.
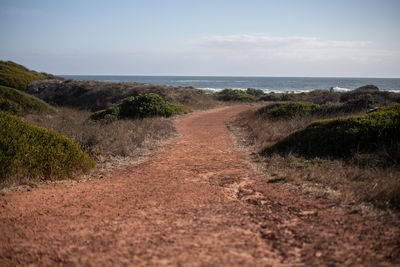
267	84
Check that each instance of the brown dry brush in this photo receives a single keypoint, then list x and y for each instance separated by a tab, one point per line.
363	179
99	140
265	132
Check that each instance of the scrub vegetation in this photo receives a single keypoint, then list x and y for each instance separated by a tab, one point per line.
95	96
34	153
16	76
142	106
344	137
235	95
49	143
106	141
347	143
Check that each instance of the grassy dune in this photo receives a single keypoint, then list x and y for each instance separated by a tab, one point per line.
17	76
17	102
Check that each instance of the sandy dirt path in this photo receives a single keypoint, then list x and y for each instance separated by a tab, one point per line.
196	203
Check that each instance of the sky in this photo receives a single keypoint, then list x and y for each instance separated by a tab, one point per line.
292	38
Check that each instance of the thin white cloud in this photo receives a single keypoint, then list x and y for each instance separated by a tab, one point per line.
294	47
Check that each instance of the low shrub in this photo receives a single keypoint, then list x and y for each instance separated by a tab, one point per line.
338	109
234	95
271	97
34	152
278	97
319	96
109	114
142	106
369	88
364	101
287	110
255	92
343	137
369	95
17	102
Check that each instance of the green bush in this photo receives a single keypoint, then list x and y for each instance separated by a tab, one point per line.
344	137
271	97
369	88
108	115
255	92
142	106
16	76
287	110
10	106
17	102
362	103
33	152
234	95
278	97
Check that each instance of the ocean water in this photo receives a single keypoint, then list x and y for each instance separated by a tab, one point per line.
268	84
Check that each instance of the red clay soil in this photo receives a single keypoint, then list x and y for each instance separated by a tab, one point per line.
196	203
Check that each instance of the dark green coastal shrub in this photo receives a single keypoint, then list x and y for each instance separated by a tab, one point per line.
34	152
343	137
271	97
17	102
278	97
234	95
141	106
369	88
363	103
319	96
287	110
255	92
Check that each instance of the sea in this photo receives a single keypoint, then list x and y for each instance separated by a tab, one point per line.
267	84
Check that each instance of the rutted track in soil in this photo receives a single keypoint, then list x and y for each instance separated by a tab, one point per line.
195	203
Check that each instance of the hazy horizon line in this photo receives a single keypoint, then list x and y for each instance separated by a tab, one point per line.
239	76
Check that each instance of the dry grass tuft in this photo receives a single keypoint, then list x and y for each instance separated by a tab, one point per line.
344	183
126	138
264	131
